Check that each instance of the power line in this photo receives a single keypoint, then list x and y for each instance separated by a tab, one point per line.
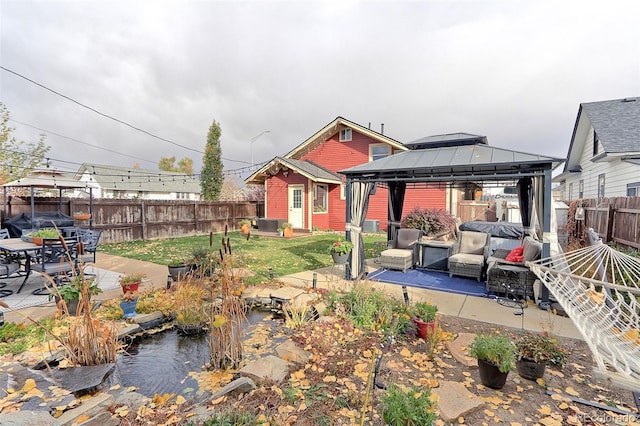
100	113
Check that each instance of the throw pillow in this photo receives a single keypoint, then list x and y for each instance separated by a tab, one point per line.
515	255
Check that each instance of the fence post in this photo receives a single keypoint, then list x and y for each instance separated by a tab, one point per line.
144	222
610	217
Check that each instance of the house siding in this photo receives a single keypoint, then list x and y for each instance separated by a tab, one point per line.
617	174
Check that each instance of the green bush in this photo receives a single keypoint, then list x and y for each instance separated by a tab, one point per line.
496	349
410	407
432	222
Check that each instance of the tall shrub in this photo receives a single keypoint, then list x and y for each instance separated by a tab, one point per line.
211	177
432	222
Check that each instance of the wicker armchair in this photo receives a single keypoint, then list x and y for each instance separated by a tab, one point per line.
469	254
402	253
513	278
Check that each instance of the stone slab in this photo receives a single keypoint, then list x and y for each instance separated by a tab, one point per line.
458	349
241	385
77	379
291	352
286	293
455	400
91	407
31	418
269	368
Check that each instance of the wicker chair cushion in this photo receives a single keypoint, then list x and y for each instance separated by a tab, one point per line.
397	253
407	238
532	249
472	242
7	269
467	259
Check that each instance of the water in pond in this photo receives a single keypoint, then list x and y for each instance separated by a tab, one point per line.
160	363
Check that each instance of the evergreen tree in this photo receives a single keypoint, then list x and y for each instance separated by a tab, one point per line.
211	177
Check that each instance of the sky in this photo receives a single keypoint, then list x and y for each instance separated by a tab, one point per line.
276	72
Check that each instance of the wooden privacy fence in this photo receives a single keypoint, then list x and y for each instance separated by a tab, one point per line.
614	219
128	220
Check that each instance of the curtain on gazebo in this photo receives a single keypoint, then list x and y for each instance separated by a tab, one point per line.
359	203
396	202
525	200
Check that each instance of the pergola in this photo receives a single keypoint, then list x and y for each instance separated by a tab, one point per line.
450	165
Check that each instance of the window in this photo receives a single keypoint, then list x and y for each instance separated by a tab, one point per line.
320	198
581	188
601	185
345	135
379	151
343	191
633	189
570	194
595	143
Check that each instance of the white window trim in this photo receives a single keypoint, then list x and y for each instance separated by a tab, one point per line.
343	191
315	197
344	132
371	146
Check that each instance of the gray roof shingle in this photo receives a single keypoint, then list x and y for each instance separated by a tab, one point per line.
617	123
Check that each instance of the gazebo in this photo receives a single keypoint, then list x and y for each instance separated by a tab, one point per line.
450	165
49	179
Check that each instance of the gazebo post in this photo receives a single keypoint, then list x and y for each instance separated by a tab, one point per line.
546	229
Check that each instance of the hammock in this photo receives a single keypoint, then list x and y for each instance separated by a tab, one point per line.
599	288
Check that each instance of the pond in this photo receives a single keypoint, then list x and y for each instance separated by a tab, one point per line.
160	363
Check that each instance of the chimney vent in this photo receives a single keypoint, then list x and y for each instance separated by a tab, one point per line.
382	128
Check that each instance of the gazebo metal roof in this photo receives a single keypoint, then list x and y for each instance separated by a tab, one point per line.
453	163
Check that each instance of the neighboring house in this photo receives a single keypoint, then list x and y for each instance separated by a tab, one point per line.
604	154
133	182
304	186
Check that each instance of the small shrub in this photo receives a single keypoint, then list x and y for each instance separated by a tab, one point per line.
408	407
432	222
494	349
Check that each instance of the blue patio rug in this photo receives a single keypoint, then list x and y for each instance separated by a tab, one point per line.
432	280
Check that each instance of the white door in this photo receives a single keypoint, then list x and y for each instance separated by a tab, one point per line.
296	210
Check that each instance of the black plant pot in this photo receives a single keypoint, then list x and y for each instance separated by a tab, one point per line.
181	271
491	376
339	259
530	369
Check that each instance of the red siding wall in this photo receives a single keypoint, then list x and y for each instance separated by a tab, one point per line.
335	155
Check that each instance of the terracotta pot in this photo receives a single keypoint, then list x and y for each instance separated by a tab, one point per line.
491	376
530	369
288	232
82	216
424	328
244	229
36	240
130	288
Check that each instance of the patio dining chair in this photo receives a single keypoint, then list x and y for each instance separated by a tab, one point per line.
56	260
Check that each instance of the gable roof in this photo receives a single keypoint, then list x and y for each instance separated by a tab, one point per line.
448	139
306	168
617	124
334	127
136	179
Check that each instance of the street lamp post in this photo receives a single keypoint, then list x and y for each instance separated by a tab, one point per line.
253	139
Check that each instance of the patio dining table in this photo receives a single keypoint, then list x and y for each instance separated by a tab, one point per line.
24	250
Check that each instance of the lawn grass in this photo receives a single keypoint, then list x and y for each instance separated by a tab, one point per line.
284	255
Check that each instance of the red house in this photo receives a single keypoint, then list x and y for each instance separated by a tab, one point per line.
304	187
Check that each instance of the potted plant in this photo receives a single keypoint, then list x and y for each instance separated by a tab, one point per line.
287	229
340	250
44	234
496	357
424	316
71	292
178	268
82	215
130	282
534	351
245	226
191	315
128	303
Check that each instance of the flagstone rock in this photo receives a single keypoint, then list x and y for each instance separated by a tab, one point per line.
458	349
90	408
241	385
78	379
455	400
291	352
31	418
269	368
